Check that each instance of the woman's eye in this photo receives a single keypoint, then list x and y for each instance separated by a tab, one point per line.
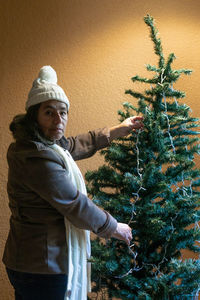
48	113
63	113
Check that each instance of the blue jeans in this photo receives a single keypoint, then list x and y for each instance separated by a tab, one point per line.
30	286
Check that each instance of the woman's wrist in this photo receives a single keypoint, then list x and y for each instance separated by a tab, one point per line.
118	131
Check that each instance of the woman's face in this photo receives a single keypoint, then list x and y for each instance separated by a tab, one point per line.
52	119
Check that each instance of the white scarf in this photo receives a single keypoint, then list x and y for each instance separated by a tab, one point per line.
78	240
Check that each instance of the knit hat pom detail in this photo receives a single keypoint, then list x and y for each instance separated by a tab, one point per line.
45	88
48	74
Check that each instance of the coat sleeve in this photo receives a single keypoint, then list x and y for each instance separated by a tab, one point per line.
48	178
85	145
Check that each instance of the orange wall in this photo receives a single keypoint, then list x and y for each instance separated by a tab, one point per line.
96	46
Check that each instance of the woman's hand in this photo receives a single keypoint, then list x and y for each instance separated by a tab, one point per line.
131	124
124	128
123	233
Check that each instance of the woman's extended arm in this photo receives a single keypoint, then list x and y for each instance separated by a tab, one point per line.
86	145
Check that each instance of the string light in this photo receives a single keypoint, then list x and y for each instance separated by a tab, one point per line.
136	195
168	124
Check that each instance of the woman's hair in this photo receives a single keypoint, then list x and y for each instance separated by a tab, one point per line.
25	126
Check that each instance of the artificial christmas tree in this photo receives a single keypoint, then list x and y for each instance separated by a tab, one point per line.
151	182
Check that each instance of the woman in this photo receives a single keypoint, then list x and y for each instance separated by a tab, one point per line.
51	216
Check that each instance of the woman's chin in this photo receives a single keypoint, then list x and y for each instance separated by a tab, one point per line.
55	137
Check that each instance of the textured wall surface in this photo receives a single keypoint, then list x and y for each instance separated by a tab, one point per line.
95	46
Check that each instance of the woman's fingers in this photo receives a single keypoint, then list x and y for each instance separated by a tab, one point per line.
123	232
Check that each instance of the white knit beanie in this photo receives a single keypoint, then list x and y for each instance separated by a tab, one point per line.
45	88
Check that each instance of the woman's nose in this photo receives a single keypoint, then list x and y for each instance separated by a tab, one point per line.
57	118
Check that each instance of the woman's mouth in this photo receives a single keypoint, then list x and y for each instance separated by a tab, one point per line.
57	130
